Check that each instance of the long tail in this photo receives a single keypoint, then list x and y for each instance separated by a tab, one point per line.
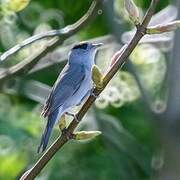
47	132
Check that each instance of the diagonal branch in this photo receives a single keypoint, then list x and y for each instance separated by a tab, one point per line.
64	138
26	65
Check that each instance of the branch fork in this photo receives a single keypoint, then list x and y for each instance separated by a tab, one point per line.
119	60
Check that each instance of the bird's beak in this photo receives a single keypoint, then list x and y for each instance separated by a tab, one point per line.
96	45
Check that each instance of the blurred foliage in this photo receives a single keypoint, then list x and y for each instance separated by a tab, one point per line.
126	147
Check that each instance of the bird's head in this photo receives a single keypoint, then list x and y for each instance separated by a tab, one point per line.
84	52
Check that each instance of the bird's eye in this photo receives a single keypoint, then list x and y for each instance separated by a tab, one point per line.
81	46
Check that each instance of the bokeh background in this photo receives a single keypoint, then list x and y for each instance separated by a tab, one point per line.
127	112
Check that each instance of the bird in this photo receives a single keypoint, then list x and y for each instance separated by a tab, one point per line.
72	87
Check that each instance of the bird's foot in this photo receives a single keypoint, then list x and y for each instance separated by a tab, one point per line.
93	94
68	135
73	115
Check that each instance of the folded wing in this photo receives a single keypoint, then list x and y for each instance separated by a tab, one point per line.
67	84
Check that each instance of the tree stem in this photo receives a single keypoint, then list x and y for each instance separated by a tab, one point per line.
141	31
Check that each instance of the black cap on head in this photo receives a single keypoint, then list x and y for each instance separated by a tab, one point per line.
82	45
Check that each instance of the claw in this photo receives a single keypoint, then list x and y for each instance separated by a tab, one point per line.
67	134
94	95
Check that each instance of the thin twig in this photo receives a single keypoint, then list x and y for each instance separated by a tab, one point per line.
29	41
64	32
149	13
64	138
61	54
26	65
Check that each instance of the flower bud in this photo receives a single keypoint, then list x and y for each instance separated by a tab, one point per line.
162	28
132	11
17	5
97	77
83	135
116	56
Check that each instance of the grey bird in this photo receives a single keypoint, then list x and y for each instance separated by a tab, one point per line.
72	86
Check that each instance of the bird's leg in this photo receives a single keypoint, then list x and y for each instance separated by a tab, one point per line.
93	94
73	115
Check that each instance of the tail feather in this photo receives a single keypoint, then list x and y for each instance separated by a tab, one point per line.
47	132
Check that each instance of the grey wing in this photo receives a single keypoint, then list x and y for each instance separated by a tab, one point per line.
66	85
45	111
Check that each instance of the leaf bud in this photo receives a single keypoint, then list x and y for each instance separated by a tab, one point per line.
133	11
84	135
97	77
162	28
